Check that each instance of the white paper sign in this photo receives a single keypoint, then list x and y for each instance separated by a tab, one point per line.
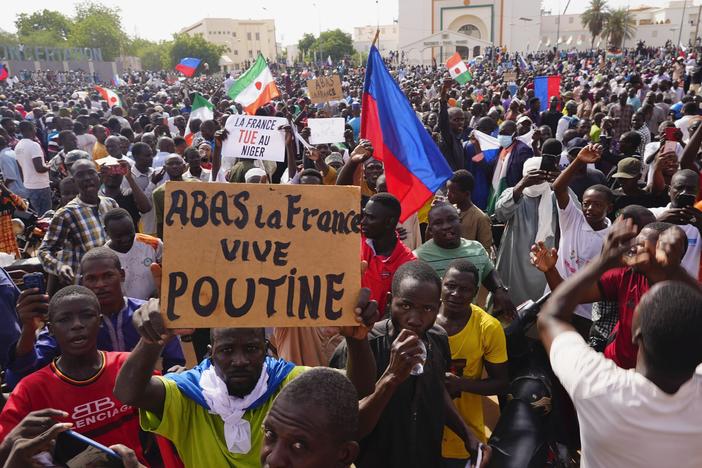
254	137
326	130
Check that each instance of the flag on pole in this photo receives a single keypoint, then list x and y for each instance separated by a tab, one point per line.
414	166
522	63
255	87
3	72
117	81
545	87
200	109
458	69
188	65
109	95
329	60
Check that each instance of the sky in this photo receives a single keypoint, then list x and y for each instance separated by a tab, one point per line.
158	19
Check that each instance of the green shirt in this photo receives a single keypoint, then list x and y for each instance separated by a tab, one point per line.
198	435
439	258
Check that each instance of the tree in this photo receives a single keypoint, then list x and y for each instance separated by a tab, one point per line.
184	45
149	52
594	18
8	38
47	25
98	26
305	44
620	25
334	43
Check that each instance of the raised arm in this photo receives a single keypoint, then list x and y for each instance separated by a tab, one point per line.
557	314
360	154
589	154
140	199
689	155
136	385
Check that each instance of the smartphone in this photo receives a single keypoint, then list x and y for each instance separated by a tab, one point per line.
117	169
75	450
685	200
34	280
671	134
549	162
670	146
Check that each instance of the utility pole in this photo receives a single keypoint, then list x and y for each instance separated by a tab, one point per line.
697	25
682	21
558	19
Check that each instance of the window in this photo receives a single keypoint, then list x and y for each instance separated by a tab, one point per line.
248	36
236	52
258	36
470	30
251	54
234	33
571	20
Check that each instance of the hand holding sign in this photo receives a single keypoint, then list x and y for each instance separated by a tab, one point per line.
255	137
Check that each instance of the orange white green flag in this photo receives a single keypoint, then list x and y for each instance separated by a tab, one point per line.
458	69
255	87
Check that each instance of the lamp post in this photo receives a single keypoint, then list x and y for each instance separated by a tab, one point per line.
558	19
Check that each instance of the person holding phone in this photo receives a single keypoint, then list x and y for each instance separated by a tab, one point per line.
79	382
683	191
529	212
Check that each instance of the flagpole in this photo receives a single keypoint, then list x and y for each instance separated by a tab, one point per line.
375	38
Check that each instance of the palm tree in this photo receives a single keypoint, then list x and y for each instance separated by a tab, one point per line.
619	25
594	18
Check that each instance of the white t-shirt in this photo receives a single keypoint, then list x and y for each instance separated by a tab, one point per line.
625	419
691	260
86	142
578	246
136	263
25	151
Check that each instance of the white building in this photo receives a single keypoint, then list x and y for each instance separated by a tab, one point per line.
387	40
435	29
654	25
243	38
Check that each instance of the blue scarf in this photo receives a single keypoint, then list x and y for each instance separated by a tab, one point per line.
188	382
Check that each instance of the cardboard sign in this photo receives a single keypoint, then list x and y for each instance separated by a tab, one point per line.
259	255
255	137
509	76
326	130
325	88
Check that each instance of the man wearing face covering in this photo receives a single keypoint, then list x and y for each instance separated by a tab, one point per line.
529	211
509	164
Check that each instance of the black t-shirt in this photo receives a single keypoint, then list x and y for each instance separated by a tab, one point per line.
551	119
647	200
410	430
127	202
581	182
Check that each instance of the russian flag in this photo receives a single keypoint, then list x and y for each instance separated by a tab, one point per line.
414	167
546	87
188	65
489	147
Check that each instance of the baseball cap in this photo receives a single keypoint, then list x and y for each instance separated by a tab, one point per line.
628	168
576	144
334	157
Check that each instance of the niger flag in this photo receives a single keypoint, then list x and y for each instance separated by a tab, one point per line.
255	87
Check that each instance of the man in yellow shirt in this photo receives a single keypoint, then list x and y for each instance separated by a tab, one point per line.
99	150
477	341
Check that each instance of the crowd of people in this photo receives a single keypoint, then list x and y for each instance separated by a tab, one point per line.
592	197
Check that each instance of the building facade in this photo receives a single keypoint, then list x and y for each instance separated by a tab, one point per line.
243	38
514	24
389	38
677	22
